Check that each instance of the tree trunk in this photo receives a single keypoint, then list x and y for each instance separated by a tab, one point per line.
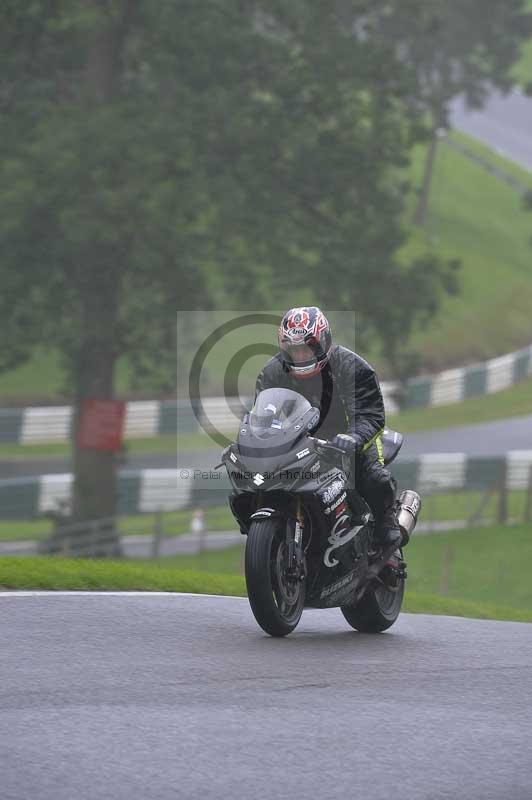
420	215
98	286
95	470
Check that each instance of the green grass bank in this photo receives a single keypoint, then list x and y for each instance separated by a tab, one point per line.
480	573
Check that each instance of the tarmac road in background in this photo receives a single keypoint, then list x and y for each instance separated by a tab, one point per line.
504	124
485	439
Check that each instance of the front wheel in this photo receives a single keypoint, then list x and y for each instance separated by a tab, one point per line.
377	609
276	598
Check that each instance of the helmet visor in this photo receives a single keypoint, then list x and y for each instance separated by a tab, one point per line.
300	355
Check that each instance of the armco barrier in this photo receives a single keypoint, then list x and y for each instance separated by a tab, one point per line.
139	491
144	419
39	425
152	417
152	490
456	385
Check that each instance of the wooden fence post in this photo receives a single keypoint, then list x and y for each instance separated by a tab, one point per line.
502	511
528	500
157	535
446	570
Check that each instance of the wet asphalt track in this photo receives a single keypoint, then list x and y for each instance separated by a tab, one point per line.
183	697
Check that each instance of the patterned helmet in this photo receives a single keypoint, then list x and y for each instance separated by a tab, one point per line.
305	341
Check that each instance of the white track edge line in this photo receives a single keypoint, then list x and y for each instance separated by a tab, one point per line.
78	593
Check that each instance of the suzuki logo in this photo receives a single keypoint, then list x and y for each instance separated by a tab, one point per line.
258	479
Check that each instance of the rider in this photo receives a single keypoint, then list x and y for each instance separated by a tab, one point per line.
346	390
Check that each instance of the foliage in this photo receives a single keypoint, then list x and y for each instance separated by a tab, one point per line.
462	48
160	155
166	155
472	213
454	49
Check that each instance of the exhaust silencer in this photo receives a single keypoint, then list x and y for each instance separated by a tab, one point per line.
409	506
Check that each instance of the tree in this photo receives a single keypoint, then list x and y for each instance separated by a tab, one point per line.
161	155
454	48
92	249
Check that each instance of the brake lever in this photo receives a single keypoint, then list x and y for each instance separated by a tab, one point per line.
335	456
328	445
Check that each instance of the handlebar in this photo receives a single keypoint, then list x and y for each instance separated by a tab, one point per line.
328	445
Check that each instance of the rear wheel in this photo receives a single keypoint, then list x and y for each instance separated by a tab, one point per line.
276	599
377	609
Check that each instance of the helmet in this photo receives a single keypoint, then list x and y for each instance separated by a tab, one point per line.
305	341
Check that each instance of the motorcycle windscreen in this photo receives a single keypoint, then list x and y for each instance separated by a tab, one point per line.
276	410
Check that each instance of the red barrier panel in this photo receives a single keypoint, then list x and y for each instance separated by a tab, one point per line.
102	424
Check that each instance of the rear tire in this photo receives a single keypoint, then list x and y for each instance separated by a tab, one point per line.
377	609
276	601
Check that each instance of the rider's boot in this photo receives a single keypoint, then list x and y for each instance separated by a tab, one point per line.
387	531
379	489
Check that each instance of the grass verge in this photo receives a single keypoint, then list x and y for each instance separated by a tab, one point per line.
415	603
217	518
484	567
490	566
65	574
84	574
475	217
480	573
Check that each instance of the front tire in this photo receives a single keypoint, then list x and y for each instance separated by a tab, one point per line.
377	609
276	600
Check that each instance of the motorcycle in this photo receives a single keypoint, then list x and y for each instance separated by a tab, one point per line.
310	535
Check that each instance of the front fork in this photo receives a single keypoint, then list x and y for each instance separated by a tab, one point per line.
294	539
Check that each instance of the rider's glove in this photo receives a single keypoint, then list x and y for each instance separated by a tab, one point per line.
347	443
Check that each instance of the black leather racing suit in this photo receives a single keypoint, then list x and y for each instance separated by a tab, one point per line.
349	397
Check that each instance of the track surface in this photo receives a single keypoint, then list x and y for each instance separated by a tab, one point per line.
484	439
503	124
167	696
